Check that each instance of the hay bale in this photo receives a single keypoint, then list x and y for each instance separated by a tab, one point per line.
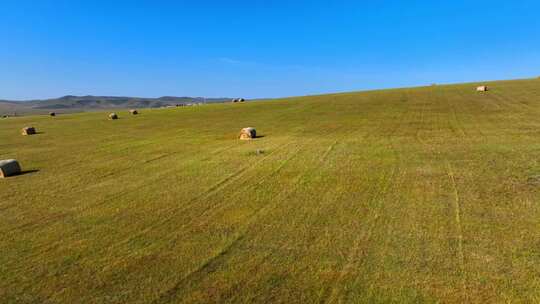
133	112
9	167
248	133
113	116
241	100
28	131
235	100
52	114
482	89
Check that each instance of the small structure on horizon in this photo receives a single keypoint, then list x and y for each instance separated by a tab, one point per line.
28	131
9	167
113	116
248	133
482	89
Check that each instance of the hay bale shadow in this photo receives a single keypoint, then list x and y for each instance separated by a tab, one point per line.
25	172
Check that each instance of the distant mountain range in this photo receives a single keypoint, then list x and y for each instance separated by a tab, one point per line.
72	103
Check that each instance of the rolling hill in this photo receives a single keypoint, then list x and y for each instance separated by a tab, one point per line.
410	195
70	103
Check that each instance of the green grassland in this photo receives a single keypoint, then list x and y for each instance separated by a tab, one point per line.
410	195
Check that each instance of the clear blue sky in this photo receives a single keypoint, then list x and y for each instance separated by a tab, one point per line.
259	48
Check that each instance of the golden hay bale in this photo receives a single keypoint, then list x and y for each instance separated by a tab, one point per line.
113	116
248	133
133	112
28	131
482	89
9	167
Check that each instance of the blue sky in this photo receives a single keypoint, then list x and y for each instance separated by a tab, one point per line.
259	48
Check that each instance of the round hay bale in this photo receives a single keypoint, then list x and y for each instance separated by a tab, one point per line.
235	100
482	89
28	131
241	100
52	114
133	112
248	133
113	116
9	167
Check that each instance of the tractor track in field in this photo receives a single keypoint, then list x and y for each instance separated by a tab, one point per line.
457	210
329	150
422	118
48	220
216	259
510	105
475	121
59	216
358	251
263	180
164	156
216	187
231	178
459	227
170	293
144	162
522	105
138	186
207	211
253	186
455	124
360	246
281	166
208	193
171	212
458	124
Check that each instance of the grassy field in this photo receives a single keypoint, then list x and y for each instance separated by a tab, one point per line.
411	195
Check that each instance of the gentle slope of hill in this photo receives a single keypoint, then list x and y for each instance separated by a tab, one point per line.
71	103
411	195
